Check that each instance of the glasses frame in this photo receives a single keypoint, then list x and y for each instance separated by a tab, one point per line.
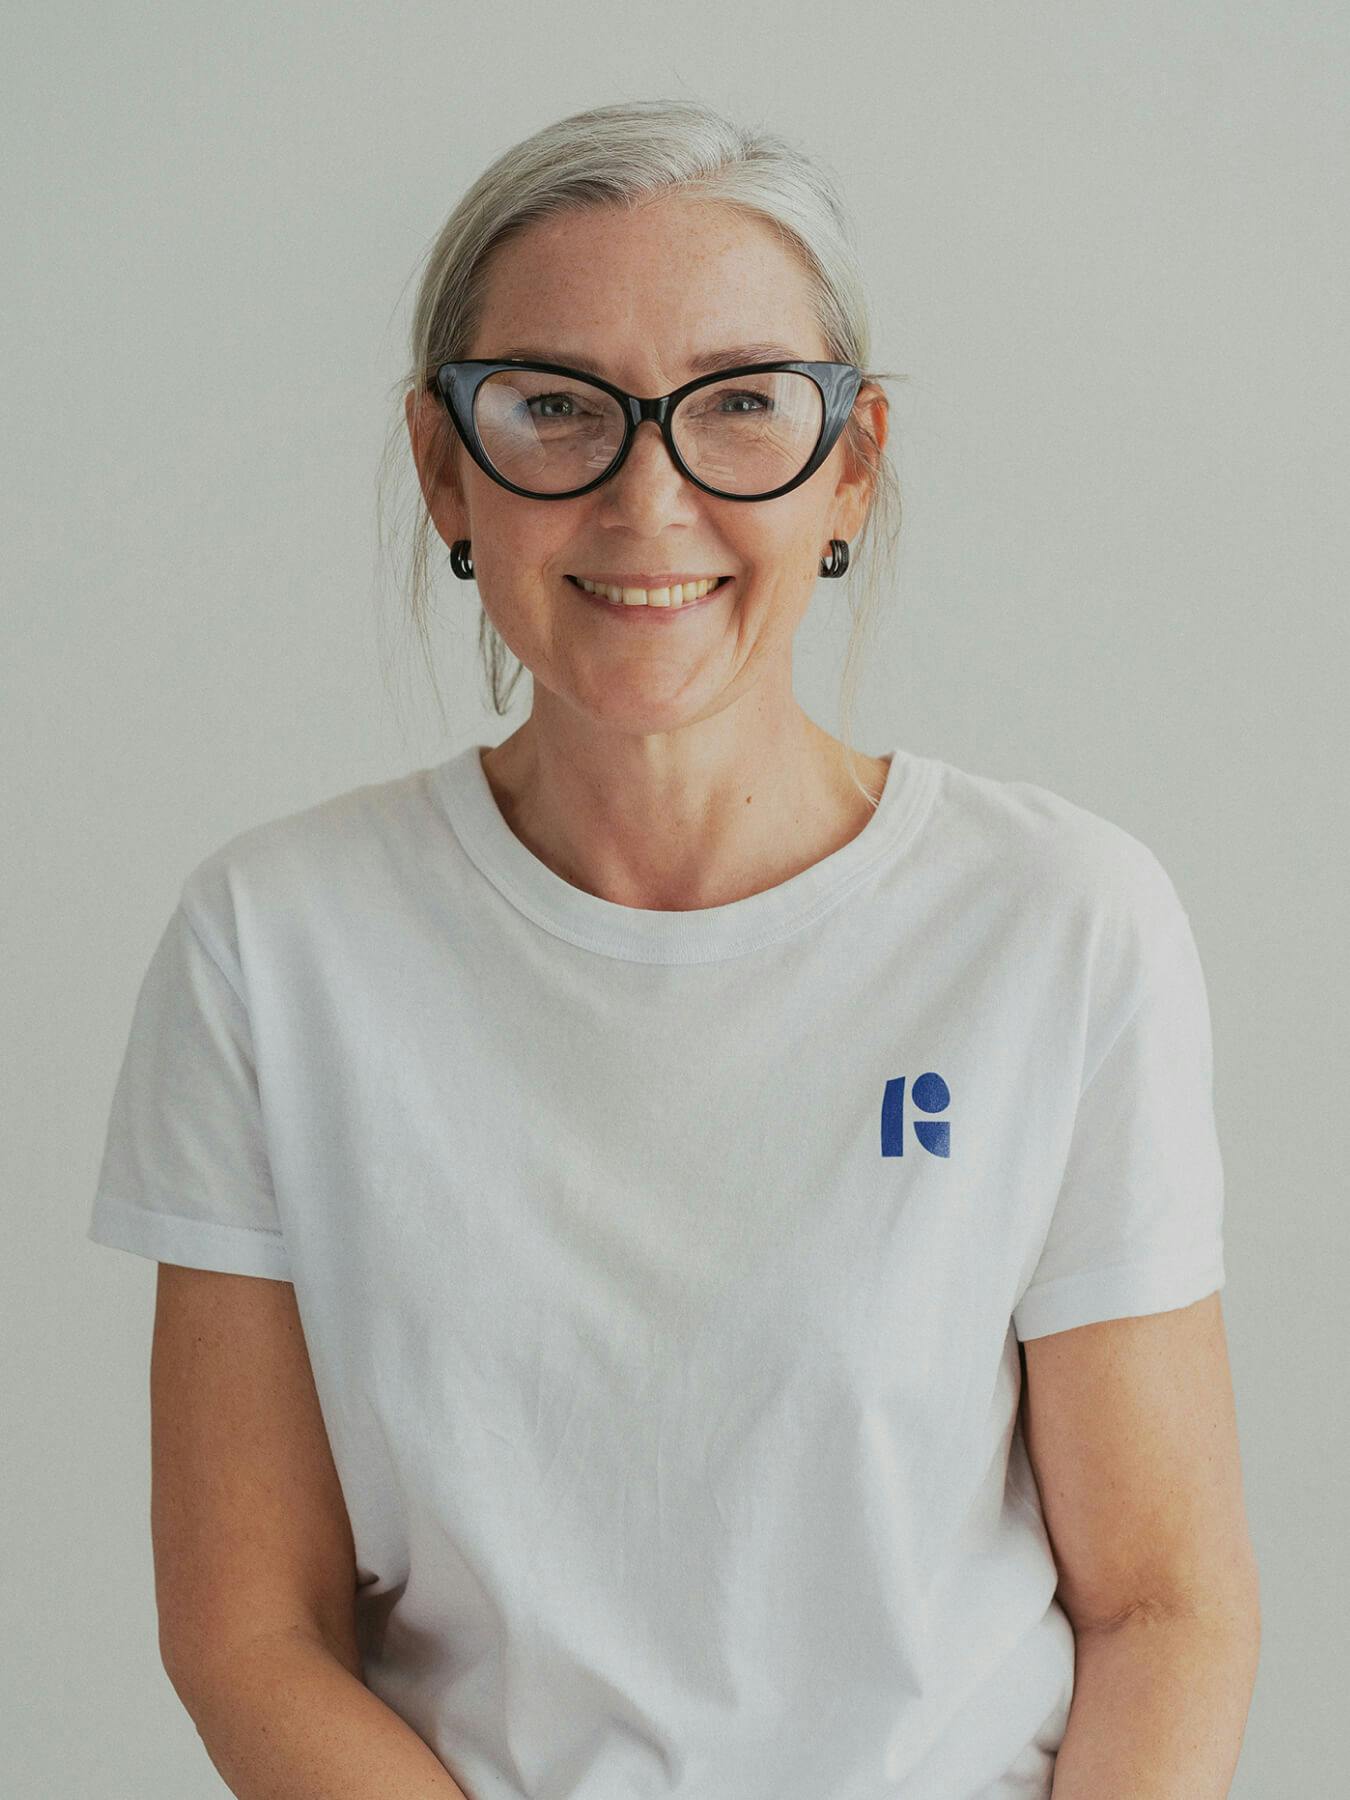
457	385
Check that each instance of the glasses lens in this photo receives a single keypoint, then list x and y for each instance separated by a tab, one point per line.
551	434
750	434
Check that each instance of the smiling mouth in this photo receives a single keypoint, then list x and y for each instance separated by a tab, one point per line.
673	598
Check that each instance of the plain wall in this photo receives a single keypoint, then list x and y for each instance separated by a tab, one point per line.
1108	246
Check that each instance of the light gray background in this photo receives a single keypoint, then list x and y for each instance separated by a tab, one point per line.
1105	243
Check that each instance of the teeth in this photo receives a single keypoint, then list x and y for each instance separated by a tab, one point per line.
674	596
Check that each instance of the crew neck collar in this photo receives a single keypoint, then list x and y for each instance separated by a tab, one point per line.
699	934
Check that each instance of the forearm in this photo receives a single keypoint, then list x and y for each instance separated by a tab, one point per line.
286	1720
1159	1708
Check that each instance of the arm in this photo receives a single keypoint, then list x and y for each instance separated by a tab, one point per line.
1159	1708
255	1567
1131	1430
282	1718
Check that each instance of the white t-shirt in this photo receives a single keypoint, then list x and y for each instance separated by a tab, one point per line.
663	1273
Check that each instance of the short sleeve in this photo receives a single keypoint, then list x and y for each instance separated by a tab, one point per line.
1137	1225
185	1175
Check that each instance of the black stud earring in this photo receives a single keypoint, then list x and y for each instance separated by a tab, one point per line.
837	561
460	560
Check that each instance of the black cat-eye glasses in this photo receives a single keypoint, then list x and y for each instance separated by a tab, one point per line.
549	432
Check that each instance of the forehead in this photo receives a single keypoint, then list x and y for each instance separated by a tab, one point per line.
657	294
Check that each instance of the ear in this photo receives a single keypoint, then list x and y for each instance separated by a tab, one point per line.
857	483
433	444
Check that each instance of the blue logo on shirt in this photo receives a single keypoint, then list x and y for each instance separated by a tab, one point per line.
930	1094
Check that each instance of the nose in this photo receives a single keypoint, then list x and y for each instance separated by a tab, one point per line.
649	465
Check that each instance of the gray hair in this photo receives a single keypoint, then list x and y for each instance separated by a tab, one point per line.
623	155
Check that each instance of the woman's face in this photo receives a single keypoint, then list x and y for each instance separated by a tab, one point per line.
637	296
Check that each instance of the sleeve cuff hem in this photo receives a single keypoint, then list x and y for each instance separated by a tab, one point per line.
1126	1291
195	1243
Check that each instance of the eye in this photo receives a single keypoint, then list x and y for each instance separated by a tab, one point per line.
559	407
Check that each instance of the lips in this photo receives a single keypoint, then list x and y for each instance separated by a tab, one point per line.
644	610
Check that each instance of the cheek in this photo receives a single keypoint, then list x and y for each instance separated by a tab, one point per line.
529	607
781	585
786	545
516	548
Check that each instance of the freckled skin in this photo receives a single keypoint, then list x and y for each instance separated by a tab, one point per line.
632	774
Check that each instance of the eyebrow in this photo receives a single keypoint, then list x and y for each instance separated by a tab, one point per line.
730	358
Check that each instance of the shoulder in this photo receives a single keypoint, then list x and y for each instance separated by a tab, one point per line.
348	849
1083	903
1082	872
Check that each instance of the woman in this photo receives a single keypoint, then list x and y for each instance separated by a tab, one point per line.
660	1148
